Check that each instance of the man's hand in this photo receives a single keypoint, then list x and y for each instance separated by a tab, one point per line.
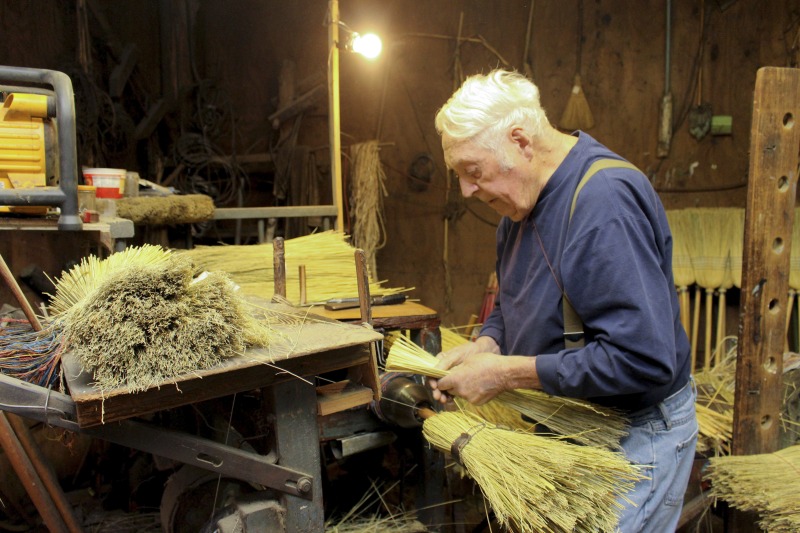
478	373
456	357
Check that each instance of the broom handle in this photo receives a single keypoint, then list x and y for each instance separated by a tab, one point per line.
425	412
709	318
11	281
695	326
720	324
789	309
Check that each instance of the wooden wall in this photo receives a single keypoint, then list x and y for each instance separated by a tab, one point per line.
243	44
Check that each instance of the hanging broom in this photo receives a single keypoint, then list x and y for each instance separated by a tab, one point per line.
682	269
579	420
535	483
765	483
577	115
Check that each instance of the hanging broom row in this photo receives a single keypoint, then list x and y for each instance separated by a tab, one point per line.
581	421
327	257
765	483
536	483
141	317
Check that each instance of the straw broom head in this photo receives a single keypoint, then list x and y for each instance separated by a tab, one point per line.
577	115
765	483
579	420
536	483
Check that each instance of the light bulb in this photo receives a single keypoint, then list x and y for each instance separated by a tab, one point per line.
368	45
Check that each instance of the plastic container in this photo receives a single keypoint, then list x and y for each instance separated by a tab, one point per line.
109	182
87	199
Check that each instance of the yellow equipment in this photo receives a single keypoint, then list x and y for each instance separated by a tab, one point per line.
22	145
38	146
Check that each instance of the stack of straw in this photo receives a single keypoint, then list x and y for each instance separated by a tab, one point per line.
714	404
535	483
141	317
327	257
579	420
766	483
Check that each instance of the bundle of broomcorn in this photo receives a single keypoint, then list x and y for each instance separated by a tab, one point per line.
536	483
141	317
580	420
327	257
766	483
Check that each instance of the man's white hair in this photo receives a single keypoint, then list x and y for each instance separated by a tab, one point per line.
485	107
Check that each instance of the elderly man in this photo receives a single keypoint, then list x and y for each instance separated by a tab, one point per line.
584	230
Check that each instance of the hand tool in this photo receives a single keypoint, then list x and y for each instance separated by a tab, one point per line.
336	304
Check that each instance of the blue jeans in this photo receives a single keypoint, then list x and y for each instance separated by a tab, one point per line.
662	438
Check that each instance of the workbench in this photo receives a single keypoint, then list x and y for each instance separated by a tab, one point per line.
284	372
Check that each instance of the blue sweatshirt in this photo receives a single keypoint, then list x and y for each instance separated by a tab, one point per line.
614	261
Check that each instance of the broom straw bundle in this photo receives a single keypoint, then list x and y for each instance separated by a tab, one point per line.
535	483
140	318
579	420
682	269
710	258
765	483
326	256
369	189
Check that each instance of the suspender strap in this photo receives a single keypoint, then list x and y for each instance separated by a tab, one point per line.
573	326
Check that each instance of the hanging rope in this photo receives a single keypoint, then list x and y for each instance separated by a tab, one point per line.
368	190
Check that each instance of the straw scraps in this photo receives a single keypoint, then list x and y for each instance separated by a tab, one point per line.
29	355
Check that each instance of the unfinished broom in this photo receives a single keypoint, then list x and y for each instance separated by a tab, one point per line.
579	420
682	269
765	483
535	483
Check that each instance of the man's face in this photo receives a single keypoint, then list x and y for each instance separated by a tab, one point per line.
499	183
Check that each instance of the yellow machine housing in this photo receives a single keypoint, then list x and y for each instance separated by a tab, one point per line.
23	154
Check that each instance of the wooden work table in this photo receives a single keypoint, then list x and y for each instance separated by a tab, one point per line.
284	371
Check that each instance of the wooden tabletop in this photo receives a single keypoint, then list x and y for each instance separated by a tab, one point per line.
303	349
407	315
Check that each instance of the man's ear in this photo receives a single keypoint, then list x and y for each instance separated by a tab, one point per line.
520	138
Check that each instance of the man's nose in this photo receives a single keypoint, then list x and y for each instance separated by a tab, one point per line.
467	188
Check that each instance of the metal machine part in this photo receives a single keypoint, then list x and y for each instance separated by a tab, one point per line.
65	196
54	408
402	397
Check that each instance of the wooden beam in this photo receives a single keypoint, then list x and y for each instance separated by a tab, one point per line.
771	197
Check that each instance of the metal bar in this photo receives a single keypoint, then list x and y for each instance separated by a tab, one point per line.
291	211
45	473
30	480
57	409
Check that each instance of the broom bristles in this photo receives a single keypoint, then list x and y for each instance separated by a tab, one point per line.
579	420
536	483
577	115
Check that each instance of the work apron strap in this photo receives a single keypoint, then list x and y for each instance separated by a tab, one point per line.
574	336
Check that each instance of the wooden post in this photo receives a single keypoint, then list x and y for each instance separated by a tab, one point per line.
278	268
771	196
